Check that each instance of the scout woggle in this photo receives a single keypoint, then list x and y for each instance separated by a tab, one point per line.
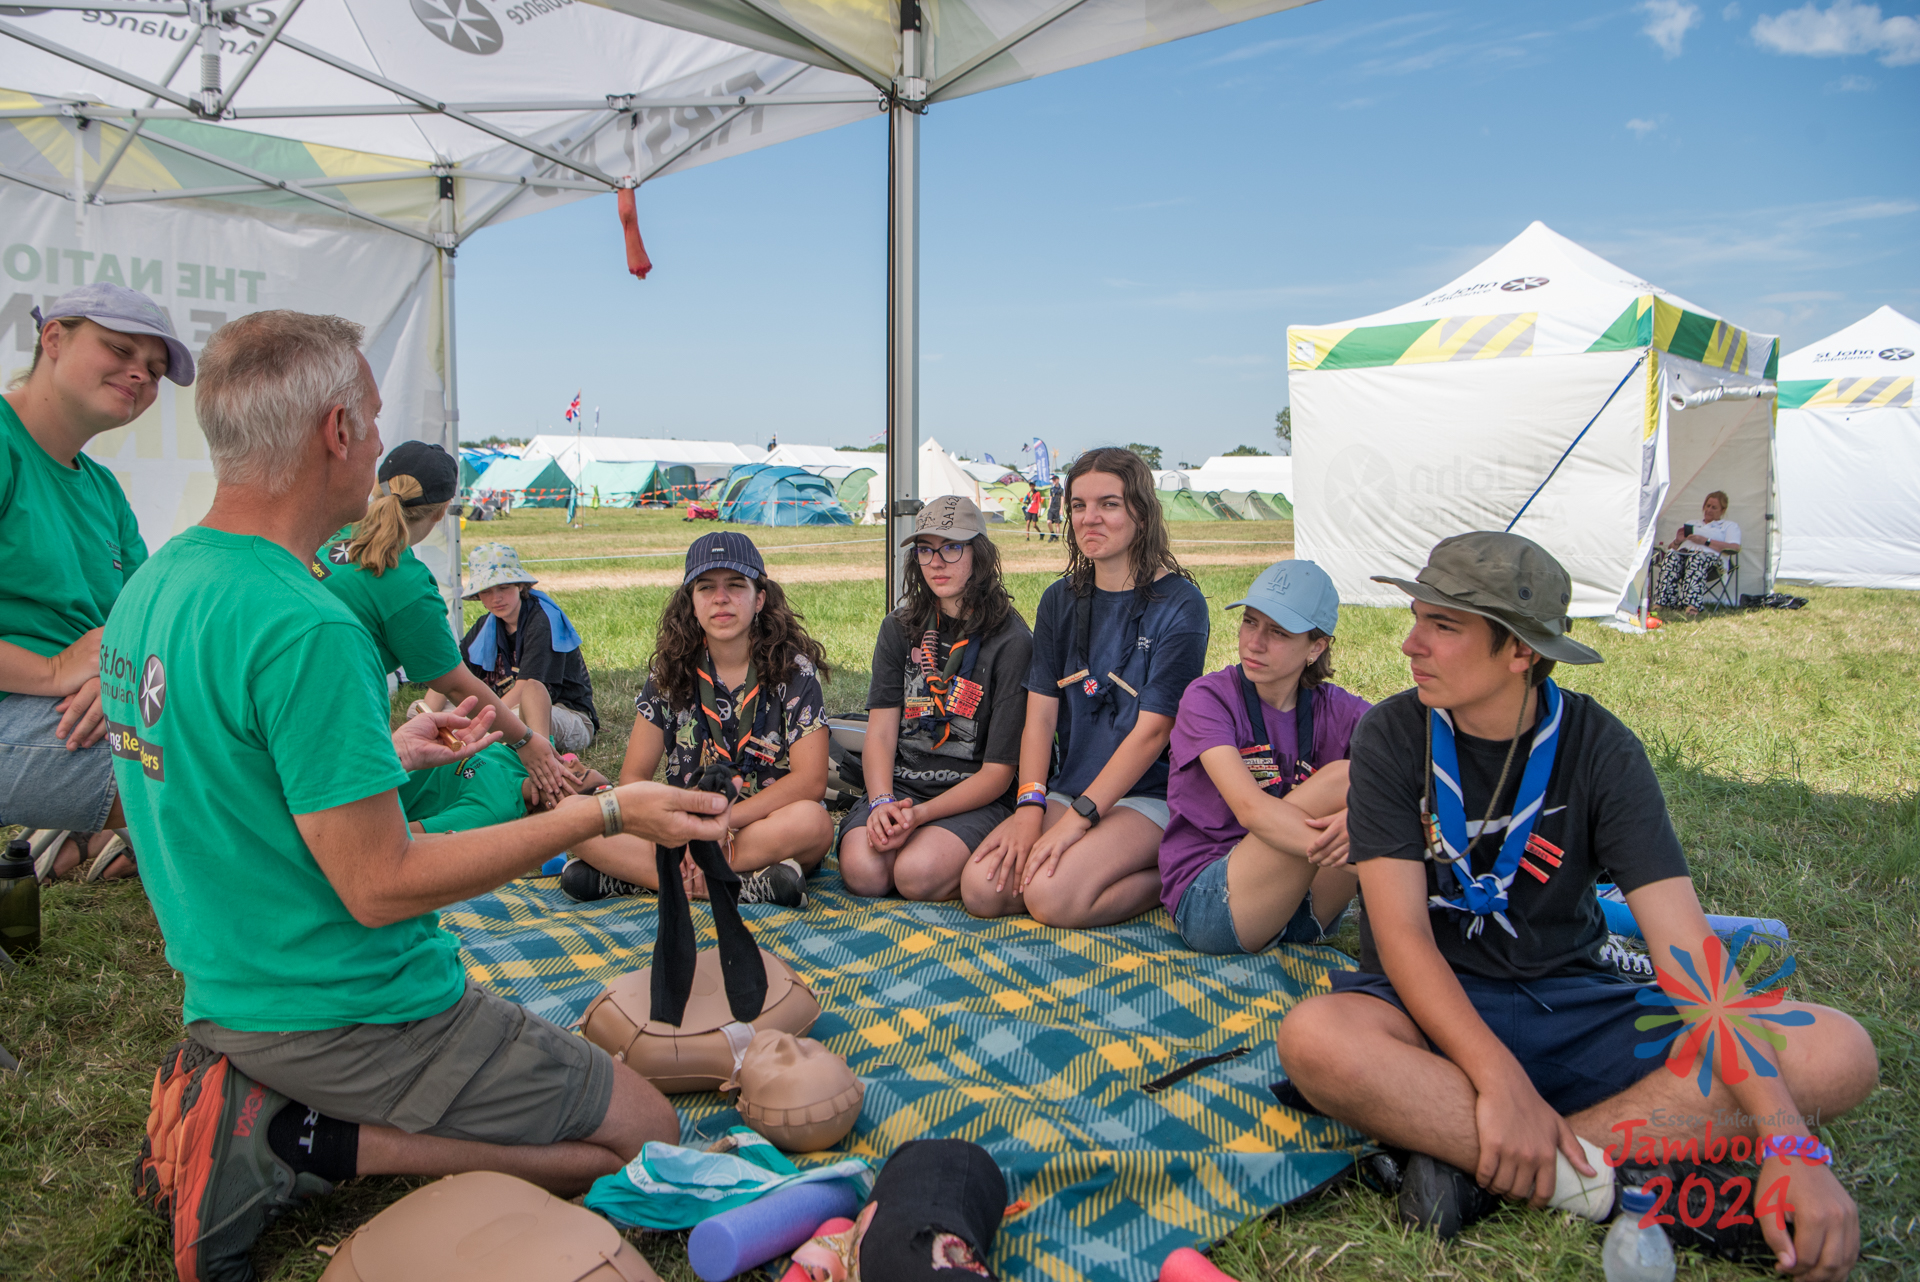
1486	895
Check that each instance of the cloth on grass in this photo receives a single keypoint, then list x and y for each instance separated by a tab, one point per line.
1031	1042
669	1186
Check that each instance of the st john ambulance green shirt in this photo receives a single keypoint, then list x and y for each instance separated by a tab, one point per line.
68	540
240	693
402	608
479	792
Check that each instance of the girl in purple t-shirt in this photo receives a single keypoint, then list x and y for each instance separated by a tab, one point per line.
1255	851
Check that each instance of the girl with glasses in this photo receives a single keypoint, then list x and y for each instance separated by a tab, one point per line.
945	713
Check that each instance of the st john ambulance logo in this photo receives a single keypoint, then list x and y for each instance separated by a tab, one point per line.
464	24
1520	284
1896	353
153	690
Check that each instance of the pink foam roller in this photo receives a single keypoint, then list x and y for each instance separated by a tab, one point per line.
1188	1265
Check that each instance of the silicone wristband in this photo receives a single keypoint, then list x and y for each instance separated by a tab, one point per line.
1031	799
609	814
1807	1148
1029	788
884	799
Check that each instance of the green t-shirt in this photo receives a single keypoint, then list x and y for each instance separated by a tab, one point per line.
68	541
479	792
237	697
402	608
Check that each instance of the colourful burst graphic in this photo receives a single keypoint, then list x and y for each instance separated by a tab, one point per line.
1719	1015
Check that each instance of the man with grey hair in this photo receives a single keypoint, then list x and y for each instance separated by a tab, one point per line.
258	774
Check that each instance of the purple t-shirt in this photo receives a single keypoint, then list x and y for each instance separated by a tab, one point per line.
1212	712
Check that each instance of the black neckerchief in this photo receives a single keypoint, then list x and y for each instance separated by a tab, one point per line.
1303	739
1099	690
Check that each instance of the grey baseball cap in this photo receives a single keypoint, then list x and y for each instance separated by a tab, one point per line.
1297	595
124	311
951	517
1504	577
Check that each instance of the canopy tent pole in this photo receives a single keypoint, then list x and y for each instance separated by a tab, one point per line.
904	108
449	245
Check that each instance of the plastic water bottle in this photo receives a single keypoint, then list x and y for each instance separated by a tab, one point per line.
19	901
1632	1253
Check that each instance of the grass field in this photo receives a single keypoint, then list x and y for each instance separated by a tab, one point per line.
1785	743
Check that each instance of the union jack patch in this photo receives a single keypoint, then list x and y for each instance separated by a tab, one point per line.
1090	686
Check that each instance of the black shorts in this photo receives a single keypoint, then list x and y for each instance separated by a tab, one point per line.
1573	1035
970	826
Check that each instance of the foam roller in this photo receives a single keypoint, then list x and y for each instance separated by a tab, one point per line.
838	1224
1188	1265
748	1236
1620	921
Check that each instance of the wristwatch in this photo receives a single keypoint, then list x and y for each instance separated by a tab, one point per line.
1085	807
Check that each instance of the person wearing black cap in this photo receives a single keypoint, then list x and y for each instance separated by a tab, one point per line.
734	678
70	543
371	567
1483	1031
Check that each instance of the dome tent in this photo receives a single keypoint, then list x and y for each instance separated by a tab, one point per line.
533	482
1849	451
757	494
1547	390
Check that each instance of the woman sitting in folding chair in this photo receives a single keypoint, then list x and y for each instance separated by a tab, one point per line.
1694	556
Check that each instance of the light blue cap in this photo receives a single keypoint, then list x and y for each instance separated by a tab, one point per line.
1297	595
124	311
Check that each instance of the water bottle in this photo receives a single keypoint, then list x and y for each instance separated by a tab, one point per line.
1632	1253
19	901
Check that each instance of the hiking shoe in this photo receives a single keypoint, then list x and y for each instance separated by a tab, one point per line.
1384	1170
784	884
1434	1195
1741	1243
1630	963
205	1165
582	881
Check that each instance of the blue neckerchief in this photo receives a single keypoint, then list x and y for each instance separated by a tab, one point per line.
485	646
1079	657
1486	895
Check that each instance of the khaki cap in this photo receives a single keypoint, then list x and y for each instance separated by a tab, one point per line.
950	516
1509	579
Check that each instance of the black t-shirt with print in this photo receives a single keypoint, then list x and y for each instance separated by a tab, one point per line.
797	708
1603	809
528	655
920	770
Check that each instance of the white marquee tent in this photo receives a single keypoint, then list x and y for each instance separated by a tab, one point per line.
1544	384
1243	472
710	460
333	155
1849	447
818	458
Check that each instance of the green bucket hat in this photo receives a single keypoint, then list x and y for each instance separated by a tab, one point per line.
490	565
1509	579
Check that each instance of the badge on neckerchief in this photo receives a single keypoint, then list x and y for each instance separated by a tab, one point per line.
951	691
1080	654
1261	759
750	711
1446	815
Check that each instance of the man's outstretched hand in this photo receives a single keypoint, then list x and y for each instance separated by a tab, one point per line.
444	737
672	816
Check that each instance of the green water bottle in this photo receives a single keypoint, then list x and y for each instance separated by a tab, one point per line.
19	901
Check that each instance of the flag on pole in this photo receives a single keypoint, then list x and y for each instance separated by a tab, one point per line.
573	409
1042	463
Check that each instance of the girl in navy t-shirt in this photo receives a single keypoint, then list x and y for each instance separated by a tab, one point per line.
1116	641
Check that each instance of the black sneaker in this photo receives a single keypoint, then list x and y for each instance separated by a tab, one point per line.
1385	1170
1741	1243
1626	960
784	885
1434	1195
582	881
205	1165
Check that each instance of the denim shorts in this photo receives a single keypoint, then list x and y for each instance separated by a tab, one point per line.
1573	1034
42	784
1206	922
1154	808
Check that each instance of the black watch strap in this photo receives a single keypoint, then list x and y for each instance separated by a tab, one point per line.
1086	808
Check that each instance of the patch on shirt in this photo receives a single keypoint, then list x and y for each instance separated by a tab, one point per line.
125	742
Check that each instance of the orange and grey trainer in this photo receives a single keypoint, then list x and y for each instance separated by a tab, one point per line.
206	1167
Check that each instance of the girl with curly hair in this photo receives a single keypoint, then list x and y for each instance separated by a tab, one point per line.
944	714
734	678
1117	639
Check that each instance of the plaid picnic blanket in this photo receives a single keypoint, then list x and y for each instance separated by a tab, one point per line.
1034	1043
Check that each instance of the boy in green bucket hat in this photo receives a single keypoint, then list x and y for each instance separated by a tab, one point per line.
1483	1034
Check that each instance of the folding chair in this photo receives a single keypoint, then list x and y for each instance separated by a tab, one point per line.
1723	583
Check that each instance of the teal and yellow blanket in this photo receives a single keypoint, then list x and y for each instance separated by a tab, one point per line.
1035	1043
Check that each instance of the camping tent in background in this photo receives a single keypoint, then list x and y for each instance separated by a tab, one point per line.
1172	480
1265	473
757	494
534	481
1452	412
941	473
1185	505
710	460
852	491
679	483
621	484
1251	505
986	473
468	472
1003	501
1848	445
814	458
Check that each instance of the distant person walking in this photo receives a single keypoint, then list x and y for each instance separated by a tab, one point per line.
1032	508
1054	496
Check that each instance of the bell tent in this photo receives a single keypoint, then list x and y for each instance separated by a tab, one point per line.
1849	450
1547	391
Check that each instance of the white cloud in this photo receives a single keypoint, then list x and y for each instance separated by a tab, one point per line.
1731	12
1842	29
1239	362
1668	22
1641	128
1804	296
1851	84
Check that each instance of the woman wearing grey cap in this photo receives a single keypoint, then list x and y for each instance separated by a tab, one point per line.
70	542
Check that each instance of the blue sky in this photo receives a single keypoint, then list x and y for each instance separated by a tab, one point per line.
1113	254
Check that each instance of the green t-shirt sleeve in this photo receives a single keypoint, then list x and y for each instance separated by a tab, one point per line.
417	631
133	548
488	787
324	721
